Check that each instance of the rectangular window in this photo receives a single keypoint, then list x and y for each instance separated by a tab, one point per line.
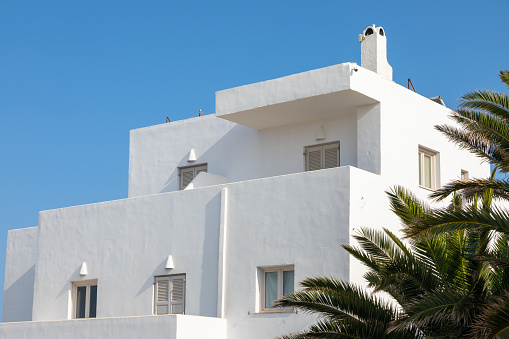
169	294
464	175
84	299
322	156
276	282
428	168
188	173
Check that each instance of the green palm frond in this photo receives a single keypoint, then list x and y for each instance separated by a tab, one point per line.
345	310
441	310
489	102
405	205
474	142
470	188
493	321
504	77
444	221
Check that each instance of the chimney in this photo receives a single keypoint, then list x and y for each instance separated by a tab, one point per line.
374	51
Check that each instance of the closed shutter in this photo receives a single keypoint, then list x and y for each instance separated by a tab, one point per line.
178	293
186	176
200	169
162	295
314	158
322	156
331	155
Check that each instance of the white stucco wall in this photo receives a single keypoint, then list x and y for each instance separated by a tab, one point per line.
154	327
19	274
230	150
125	243
299	219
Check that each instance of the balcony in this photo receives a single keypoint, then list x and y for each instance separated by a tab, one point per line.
297	98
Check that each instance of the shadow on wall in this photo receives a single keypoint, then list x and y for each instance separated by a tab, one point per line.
236	152
19	298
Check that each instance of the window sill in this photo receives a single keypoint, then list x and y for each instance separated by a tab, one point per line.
278	310
427	188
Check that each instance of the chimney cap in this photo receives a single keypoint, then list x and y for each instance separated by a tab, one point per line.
372	30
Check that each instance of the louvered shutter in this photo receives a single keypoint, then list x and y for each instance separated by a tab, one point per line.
178	293
200	169
331	155
313	158
186	176
162	295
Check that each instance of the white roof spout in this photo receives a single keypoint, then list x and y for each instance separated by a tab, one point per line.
374	51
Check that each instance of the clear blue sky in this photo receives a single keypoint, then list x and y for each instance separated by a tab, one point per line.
76	76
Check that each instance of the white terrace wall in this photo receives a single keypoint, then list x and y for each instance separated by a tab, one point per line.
125	243
153	327
19	274
299	219
230	150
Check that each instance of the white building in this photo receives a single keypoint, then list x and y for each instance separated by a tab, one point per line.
274	183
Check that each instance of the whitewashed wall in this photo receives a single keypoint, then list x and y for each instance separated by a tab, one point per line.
230	150
125	243
19	274
154	327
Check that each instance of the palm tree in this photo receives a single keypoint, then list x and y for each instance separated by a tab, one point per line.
483	119
438	285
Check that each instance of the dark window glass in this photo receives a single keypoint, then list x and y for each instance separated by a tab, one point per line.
93	301
81	300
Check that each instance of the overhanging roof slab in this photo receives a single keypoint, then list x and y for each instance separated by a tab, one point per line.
296	98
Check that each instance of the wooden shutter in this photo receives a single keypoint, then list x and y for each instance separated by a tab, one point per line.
199	169
186	176
313	158
331	155
178	293
162	295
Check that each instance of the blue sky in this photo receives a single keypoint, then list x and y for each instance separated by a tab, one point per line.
76	76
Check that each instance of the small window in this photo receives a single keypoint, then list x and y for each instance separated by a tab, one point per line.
464	175
84	299
170	294
276	282
428	168
322	156
188	173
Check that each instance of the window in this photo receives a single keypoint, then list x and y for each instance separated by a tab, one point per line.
84	299
428	160
464	175
322	156
276	282
169	294
188	173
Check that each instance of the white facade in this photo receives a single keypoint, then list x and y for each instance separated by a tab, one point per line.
256	207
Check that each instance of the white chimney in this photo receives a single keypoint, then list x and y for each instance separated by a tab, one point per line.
374	51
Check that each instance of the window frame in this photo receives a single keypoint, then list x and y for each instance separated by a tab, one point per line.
322	148
434	166
465	176
279	269
195	168
169	277
87	284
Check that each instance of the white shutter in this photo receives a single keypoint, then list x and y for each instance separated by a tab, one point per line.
162	295
313	158
178	293
331	155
